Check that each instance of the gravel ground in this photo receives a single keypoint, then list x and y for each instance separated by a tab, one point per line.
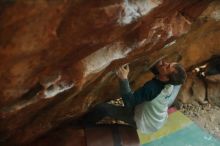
206	116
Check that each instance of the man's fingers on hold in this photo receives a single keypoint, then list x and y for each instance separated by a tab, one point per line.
121	69
127	67
116	72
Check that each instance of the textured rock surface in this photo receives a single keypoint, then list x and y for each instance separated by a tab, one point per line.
58	57
195	49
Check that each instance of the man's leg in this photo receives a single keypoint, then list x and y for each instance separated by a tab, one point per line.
116	112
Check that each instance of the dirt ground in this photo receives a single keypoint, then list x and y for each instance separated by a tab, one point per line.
206	116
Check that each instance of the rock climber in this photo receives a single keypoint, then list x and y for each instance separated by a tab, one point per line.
146	108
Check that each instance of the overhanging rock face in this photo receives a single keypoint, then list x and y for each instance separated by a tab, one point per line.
58	57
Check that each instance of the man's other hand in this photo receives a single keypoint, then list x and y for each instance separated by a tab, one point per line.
123	71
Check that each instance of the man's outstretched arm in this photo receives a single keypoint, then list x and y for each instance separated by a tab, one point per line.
129	97
125	89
